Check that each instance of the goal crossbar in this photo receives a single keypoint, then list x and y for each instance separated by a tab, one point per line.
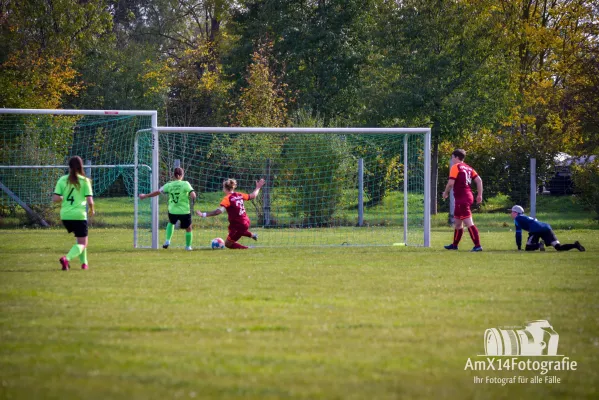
203	129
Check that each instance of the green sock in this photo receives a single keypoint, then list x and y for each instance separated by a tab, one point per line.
188	238
75	251
83	256
170	228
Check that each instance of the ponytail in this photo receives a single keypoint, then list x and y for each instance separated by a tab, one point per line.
75	168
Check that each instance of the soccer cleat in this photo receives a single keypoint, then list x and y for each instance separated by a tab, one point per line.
579	246
84	266
65	263
166	244
541	246
188	248
451	247
255	236
477	248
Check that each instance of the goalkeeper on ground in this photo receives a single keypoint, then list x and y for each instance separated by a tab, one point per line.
537	230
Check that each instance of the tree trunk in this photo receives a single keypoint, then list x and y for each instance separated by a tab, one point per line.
434	168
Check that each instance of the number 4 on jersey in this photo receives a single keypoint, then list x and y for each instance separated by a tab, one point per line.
70	196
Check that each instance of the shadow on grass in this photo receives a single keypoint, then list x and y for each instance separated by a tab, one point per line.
26	271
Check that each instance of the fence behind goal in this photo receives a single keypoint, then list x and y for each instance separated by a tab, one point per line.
336	186
35	146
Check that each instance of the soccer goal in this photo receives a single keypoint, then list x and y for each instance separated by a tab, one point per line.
35	146
324	186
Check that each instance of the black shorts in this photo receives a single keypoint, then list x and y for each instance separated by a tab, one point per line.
77	226
184	218
548	237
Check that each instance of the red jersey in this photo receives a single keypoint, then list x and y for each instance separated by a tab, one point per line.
463	174
233	202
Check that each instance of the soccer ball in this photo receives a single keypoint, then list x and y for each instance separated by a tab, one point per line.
217	244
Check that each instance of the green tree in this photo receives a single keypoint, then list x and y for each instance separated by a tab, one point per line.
435	66
262	103
318	49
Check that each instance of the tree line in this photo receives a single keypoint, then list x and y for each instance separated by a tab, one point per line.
506	79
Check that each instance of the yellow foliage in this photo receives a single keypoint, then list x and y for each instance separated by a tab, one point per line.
157	78
37	80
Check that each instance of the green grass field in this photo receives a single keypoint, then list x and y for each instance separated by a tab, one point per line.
307	323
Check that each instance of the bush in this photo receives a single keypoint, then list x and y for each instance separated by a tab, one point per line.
499	203
586	183
318	189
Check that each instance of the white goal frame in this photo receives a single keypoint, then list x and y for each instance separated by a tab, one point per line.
426	132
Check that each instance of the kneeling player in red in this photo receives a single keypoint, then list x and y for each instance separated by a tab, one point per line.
461	176
239	222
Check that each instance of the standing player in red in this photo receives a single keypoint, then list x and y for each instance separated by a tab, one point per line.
239	222
461	176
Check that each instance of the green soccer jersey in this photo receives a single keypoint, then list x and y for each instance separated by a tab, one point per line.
73	206
178	196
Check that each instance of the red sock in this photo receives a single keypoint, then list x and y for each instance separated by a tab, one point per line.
474	235
247	234
236	245
457	236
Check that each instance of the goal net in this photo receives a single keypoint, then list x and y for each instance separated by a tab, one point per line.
336	186
35	146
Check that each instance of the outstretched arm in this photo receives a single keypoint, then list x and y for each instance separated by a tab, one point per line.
214	213
153	194
259	185
479	189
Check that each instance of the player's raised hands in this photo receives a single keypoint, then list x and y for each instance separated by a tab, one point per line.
260	183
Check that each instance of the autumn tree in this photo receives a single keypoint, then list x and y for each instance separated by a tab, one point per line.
552	46
41	43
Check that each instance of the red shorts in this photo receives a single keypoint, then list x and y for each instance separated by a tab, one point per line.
462	211
236	231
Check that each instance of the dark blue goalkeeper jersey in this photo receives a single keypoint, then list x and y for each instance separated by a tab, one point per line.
532	225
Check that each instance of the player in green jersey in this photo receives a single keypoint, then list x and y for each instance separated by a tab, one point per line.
74	192
179	192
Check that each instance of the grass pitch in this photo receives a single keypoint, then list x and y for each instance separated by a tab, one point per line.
269	323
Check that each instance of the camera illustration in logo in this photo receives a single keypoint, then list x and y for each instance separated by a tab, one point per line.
537	338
